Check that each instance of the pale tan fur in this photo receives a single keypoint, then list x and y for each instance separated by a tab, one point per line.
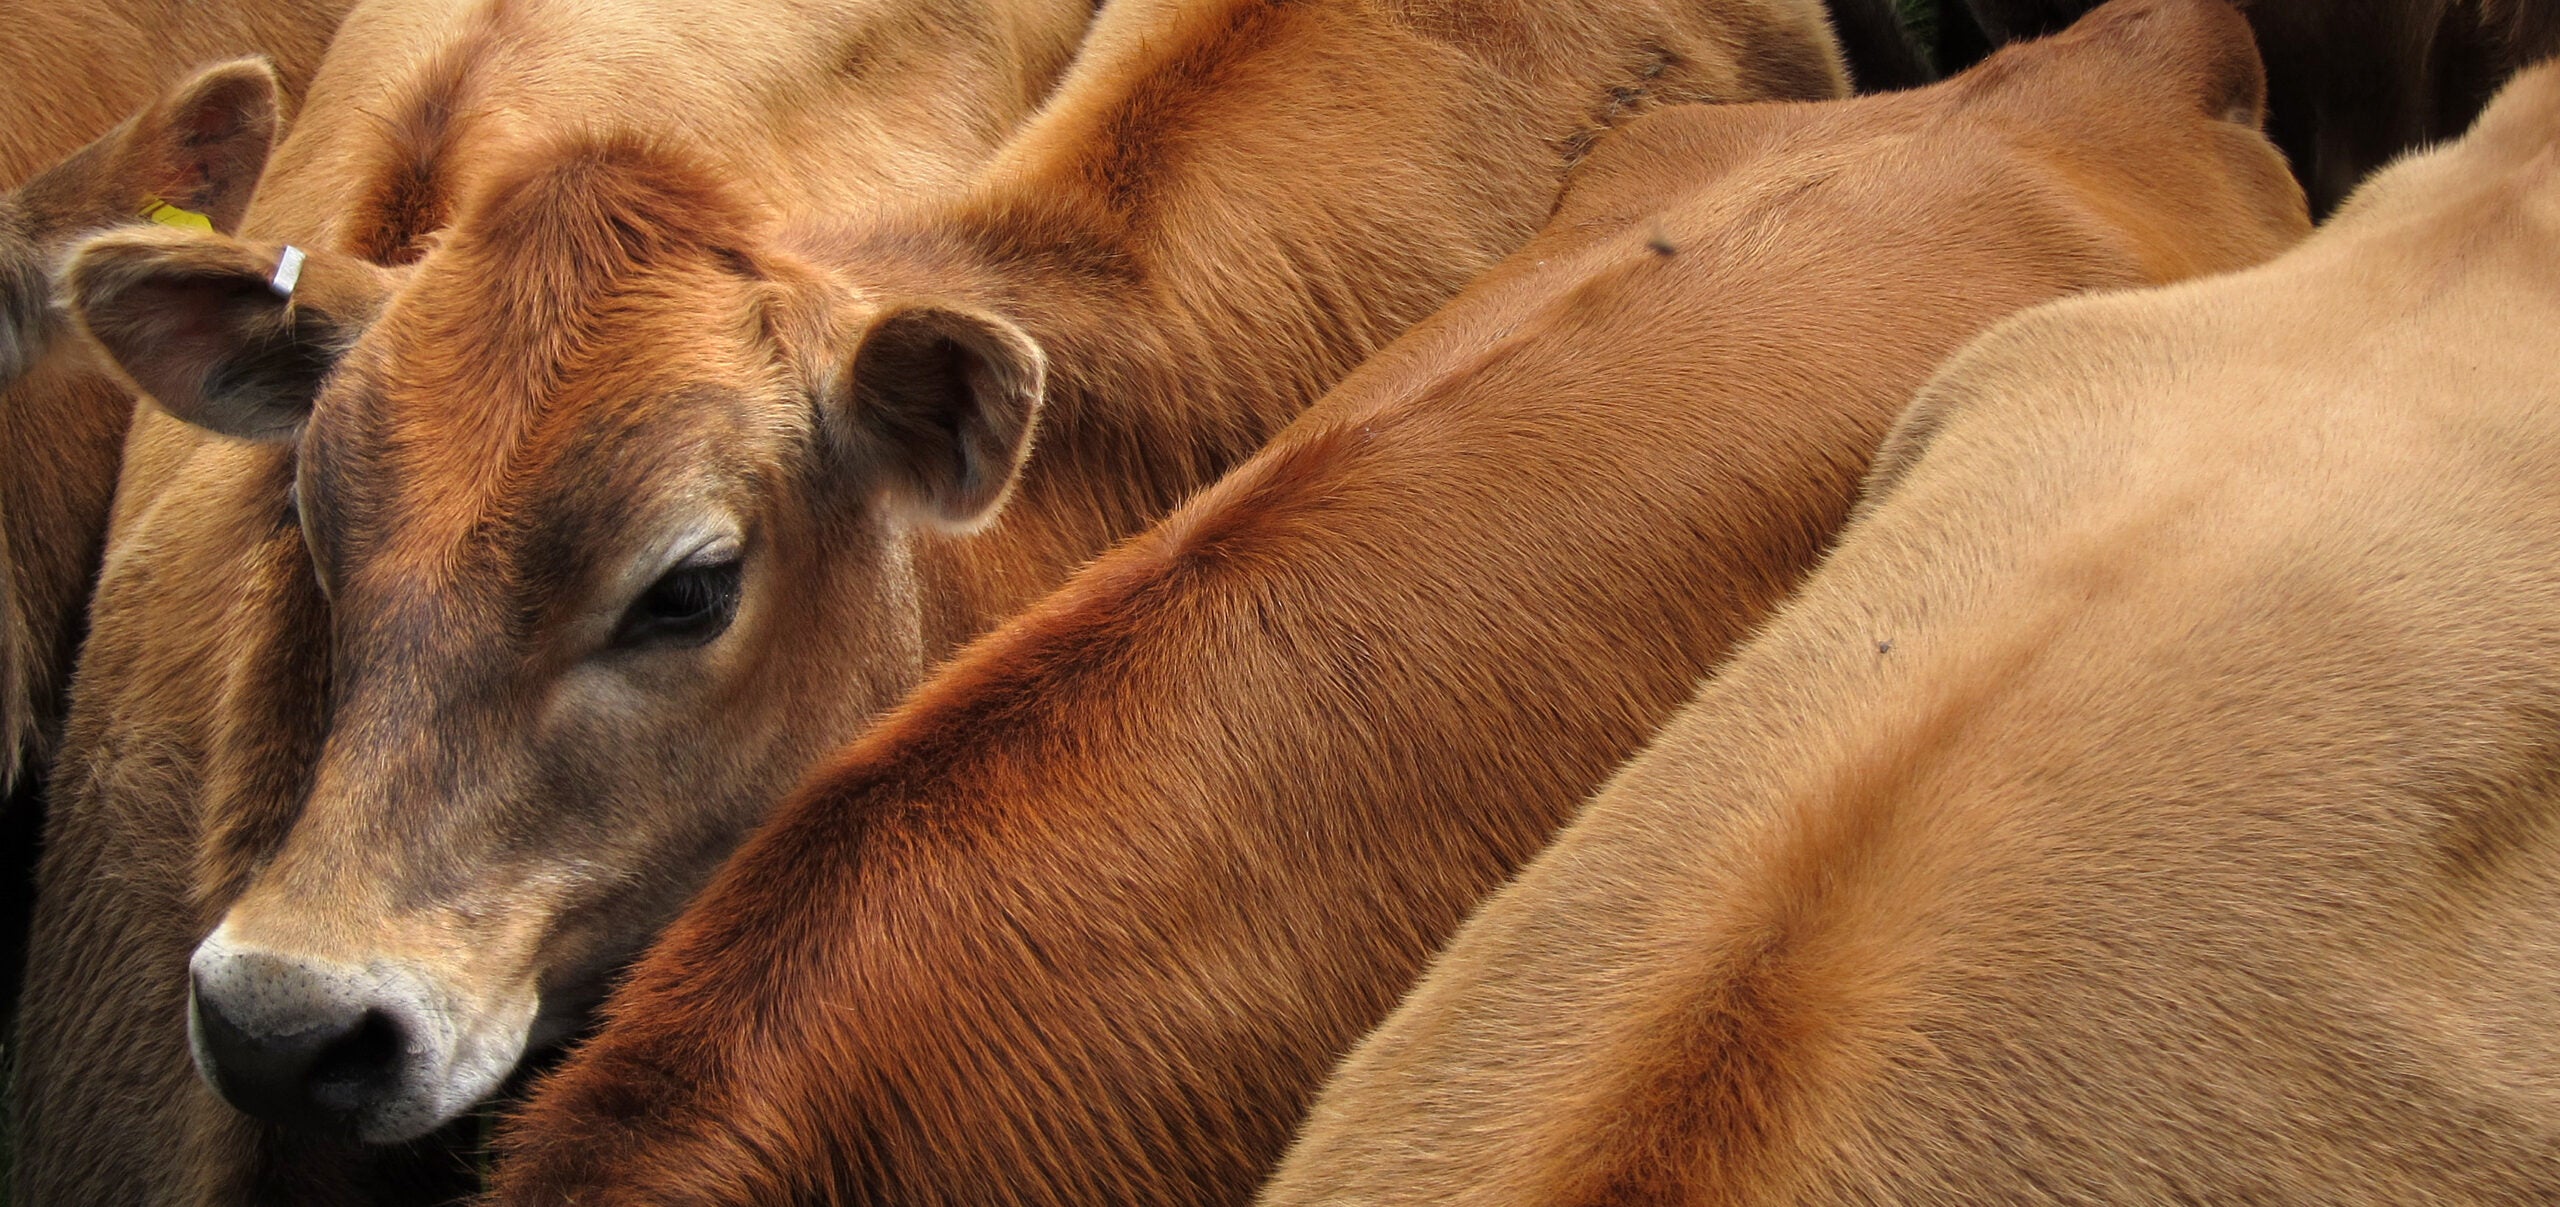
2152	800
205	602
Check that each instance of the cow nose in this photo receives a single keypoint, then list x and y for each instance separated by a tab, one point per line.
295	1043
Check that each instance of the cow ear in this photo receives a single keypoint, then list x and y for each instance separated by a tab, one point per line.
202	146
192	158
2198	53
232	337
941	408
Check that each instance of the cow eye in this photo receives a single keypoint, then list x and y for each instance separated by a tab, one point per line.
688	605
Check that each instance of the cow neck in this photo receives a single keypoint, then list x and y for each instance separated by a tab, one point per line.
1158	381
1188	304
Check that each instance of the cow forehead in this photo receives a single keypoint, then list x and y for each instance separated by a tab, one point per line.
540	511
578	286
459	401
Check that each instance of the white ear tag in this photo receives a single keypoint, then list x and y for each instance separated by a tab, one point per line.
288	272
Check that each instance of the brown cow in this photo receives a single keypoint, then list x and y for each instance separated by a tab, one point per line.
585	630
191	156
68	73
1087	918
189	759
2152	800
2352	85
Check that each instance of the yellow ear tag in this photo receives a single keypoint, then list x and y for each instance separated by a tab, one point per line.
169	215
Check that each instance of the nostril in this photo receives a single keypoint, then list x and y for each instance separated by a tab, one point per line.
296	1047
360	1067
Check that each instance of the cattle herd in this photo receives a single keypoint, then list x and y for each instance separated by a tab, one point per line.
1380	602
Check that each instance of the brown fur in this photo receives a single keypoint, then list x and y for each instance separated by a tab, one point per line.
72	75
2151	801
112	77
2351	84
1087	918
68	72
198	716
628	375
62	417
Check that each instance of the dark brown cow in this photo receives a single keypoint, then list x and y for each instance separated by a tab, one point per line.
632	502
1088	917
2151	801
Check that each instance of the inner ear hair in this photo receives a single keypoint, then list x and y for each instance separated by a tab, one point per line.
943	402
196	322
203	146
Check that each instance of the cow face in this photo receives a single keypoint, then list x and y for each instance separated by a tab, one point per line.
616	540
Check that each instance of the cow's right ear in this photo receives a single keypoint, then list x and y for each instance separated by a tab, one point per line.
202	146
192	158
233	337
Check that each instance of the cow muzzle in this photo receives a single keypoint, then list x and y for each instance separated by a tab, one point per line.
379	1051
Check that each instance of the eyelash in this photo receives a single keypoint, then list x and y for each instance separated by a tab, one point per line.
687	606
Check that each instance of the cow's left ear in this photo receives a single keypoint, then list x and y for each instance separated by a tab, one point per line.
233	337
939	408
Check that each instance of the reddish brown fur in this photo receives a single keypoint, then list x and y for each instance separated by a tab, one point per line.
2150	801
1088	917
407	191
1186	306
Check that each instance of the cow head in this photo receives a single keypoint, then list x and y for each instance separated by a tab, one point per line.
616	510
